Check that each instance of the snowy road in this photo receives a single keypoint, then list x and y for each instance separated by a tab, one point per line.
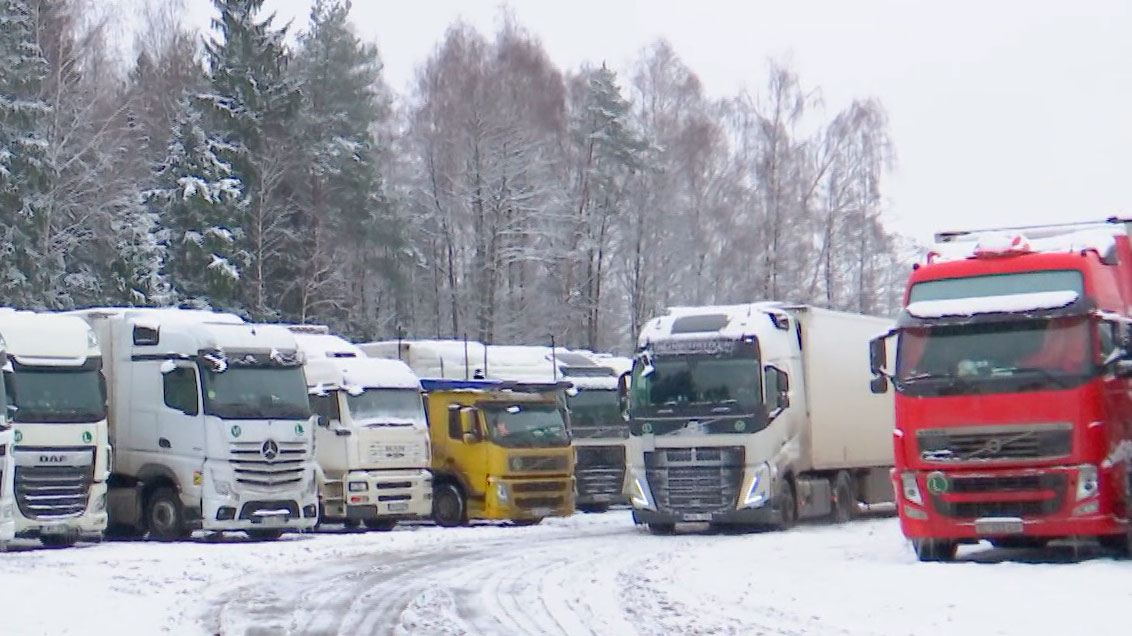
590	574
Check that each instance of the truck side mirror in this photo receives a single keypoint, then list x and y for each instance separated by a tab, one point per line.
878	354
468	425
879	384
783	400
322	421
623	395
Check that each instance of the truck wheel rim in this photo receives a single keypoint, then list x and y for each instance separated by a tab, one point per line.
163	515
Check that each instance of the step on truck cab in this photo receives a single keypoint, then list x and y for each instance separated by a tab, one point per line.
371	441
1012	376
210	424
754	415
500	450
7	465
57	397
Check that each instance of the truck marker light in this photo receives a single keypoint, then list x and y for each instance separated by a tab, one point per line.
198	477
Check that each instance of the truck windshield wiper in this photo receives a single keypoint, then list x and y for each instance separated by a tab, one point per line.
1053	378
953	381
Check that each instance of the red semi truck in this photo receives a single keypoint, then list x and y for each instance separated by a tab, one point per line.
1013	380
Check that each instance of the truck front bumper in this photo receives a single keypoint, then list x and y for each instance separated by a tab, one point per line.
388	494
1048	502
251	510
746	517
7	521
91	522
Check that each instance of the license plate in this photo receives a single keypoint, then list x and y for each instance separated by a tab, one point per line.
399	507
993	527
696	516
541	512
602	497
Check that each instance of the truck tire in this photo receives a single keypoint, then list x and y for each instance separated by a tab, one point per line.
123	532
264	535
935	550
1121	544
165	517
59	540
593	507
844	497
786	505
523	523
381	525
449	509
662	529
1020	542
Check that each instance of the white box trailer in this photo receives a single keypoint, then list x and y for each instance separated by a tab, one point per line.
371	440
210	423
62	453
756	414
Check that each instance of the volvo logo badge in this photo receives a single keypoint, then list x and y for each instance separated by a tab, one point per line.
270	450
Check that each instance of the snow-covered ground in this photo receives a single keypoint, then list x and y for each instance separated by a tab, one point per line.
590	574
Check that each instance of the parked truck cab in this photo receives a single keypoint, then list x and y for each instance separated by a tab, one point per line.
500	451
752	415
1012	380
7	465
210	423
57	398
371	440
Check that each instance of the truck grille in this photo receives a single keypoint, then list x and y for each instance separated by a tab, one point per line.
538	463
536	486
690	480
999	443
263	466
1045	495
600	470
53	491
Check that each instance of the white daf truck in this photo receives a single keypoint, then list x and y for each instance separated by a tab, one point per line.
57	404
371	438
756	415
210	424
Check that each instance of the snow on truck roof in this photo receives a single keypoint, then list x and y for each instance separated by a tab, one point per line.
723	321
1099	238
333	363
47	338
210	329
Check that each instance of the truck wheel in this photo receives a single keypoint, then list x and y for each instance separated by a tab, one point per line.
264	535
934	550
593	507
448	506
123	532
59	540
1020	542
844	497
164	516
663	529
1119	543
522	523
786	505
383	525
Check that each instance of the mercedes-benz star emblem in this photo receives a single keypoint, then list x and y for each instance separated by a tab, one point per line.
270	450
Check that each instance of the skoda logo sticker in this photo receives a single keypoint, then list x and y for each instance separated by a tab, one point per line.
937	483
236	431
646	428
270	450
87	437
299	429
740	425
18	437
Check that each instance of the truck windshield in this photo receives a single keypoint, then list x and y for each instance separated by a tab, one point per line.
387	407
596	413
256	393
526	426
62	396
1022	355
695	385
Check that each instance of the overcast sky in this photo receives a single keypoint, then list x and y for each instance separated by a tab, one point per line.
1002	113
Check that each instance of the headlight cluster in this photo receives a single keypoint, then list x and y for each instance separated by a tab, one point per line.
359	486
502	492
1087	481
757	492
911	489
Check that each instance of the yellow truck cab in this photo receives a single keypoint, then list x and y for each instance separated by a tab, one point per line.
500	451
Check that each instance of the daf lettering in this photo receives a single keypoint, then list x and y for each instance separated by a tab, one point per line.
52	459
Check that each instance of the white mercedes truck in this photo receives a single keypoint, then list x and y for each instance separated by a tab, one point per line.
755	415
57	405
210	424
371	437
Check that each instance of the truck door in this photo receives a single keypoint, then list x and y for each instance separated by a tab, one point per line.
178	434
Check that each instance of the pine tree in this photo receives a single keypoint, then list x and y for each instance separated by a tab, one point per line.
28	273
201	203
250	108
356	239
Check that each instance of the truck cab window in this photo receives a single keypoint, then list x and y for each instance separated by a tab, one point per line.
180	388
454	430
326	406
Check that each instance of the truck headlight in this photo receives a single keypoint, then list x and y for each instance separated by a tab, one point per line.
359	486
911	489
502	492
756	493
221	487
99	504
638	495
1087	484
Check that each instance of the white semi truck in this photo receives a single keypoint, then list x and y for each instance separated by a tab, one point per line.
57	399
371	438
756	415
210	424
7	466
